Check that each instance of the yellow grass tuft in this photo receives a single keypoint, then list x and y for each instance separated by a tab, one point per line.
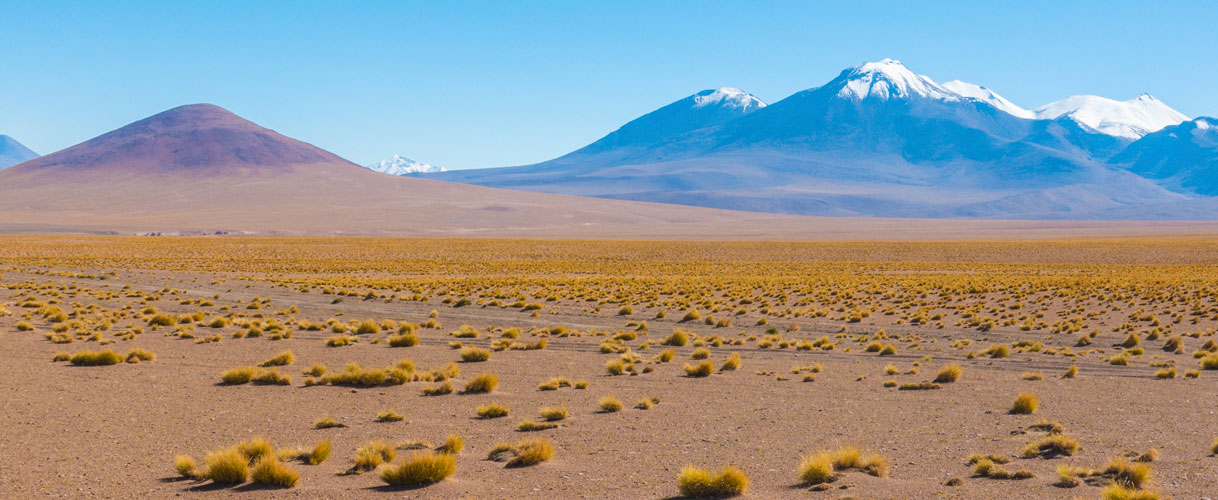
420	469
693	482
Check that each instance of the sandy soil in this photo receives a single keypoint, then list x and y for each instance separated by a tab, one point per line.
112	432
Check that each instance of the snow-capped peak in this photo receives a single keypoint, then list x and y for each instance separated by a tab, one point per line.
986	95
399	165
889	79
728	97
1130	119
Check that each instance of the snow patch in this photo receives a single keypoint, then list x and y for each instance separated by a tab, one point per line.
728	97
988	96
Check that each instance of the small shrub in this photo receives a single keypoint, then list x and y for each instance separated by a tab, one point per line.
697	483
139	355
610	404
700	353
483	383
1209	362
61	356
1118	492
272	377
1071	372
1025	404
998	351
1128	474
420	469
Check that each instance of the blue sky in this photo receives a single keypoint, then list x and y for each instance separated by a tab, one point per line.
483	84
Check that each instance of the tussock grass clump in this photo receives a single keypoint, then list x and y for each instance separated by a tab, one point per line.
615	367
1025	404
493	410
703	369
988	468
389	416
239	375
481	384
850	457
272	377
1128	474
371	455
270	471
731	363
1209	362
185	466
227	466
341	340
319	453
420	469
816	469
678	338
441	389
918	386
282	359
1071	372
140	355
1119	492
1214	447
1051	446
949	374
474	354
453	444
998	351
316	370
523	453
61	356
355	375
404	340
96	358
610	404
693	482
700	353
554	414
328	423
530	426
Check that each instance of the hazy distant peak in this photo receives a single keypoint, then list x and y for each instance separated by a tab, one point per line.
728	97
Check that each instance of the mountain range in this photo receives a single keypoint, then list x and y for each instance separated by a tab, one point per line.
400	165
13	152
881	140
200	169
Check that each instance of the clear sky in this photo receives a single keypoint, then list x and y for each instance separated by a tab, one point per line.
483	84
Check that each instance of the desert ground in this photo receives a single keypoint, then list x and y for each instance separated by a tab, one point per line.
838	345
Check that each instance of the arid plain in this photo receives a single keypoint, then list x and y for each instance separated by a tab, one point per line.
914	353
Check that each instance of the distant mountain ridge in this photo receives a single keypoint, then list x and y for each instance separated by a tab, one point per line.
878	140
13	152
400	165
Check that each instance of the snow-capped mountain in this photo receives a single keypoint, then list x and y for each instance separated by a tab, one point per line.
877	140
400	165
13	152
889	79
1130	119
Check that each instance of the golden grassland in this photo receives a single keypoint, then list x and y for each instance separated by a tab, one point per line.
1141	306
